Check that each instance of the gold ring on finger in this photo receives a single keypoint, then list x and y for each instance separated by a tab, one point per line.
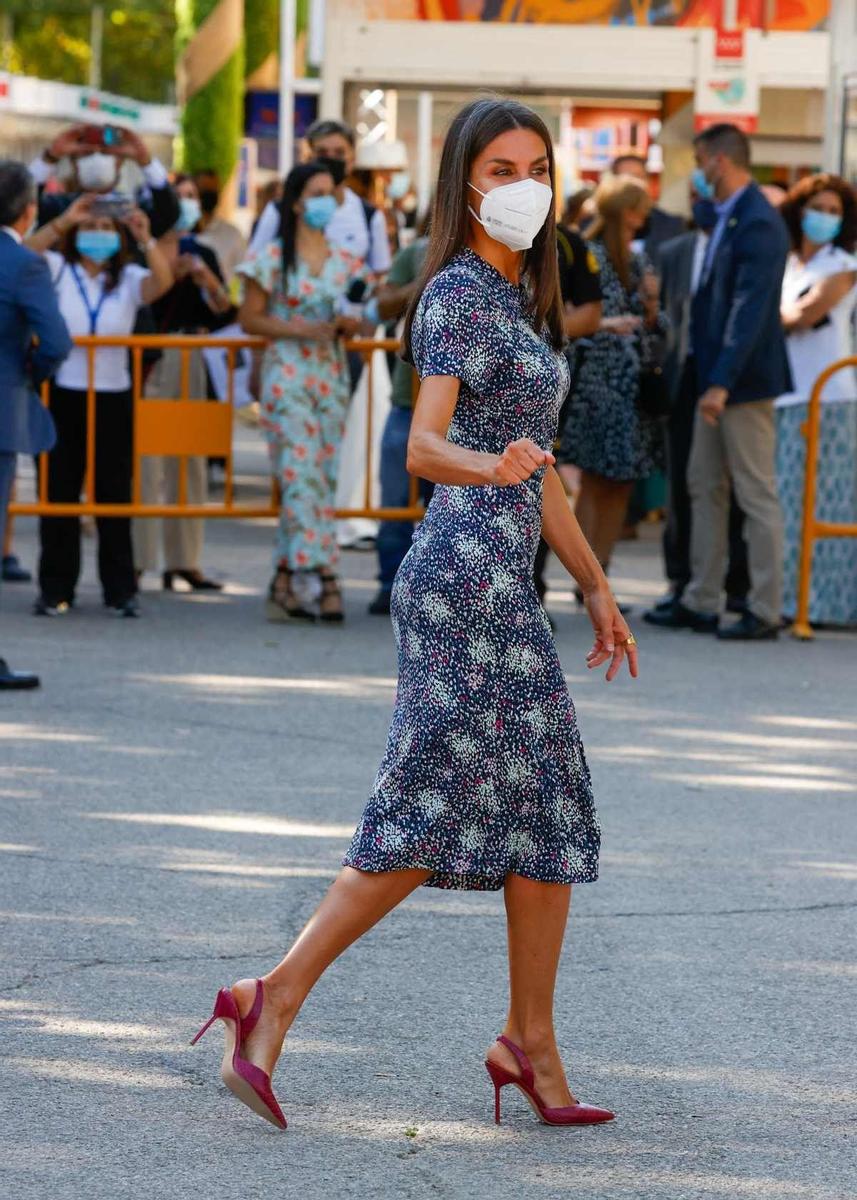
630	640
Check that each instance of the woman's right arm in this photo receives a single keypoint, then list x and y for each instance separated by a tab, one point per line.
48	236
255	319
432	457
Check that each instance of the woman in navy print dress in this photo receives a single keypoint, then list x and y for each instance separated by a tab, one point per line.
484	783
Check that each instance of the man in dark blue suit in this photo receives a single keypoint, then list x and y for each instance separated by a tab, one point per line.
741	367
28	307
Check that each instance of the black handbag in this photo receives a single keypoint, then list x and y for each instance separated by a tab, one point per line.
653	397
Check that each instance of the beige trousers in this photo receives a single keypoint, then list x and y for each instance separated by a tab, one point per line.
739	449
182	537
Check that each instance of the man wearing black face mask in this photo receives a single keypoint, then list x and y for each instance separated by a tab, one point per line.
224	238
681	262
356	226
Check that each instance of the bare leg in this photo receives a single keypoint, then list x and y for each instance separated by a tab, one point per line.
355	902
536	916
601	509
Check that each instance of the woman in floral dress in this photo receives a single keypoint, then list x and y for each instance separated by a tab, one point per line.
484	784
293	288
606	434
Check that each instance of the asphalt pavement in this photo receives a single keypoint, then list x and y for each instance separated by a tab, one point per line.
178	794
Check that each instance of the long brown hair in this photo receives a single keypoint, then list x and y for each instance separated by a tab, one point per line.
472	129
614	195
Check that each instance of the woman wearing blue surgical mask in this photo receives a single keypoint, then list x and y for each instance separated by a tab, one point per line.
197	303
100	288
818	304
294	289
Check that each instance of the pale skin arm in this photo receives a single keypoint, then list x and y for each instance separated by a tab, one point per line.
48	235
256	320
432	457
817	302
160	278
582	320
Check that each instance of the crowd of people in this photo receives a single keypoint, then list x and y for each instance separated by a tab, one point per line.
692	349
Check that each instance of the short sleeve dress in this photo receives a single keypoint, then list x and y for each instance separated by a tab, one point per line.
484	772
605	431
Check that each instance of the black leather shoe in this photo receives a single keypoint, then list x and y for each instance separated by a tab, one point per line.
666	602
380	606
15	681
749	628
13	572
678	616
736	604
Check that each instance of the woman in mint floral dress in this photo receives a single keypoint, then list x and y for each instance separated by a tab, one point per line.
305	388
484	783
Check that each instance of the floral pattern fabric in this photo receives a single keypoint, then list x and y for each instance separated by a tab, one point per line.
304	399
605	432
484	772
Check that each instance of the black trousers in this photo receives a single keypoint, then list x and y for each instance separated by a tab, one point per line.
59	564
677	530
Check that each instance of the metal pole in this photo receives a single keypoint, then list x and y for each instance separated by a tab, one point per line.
96	43
729	14
425	103
288	21
315	38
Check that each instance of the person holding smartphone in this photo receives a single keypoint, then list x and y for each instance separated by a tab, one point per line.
100	290
197	303
96	155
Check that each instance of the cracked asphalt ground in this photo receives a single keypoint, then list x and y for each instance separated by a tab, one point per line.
177	796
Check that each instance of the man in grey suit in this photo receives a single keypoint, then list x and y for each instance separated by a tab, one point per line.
33	342
681	261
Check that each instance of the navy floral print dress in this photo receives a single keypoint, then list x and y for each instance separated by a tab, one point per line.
484	772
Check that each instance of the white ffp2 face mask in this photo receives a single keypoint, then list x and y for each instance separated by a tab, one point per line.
97	172
514	212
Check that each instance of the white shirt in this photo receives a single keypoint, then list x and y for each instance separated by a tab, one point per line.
812	350
347	230
117	315
13	234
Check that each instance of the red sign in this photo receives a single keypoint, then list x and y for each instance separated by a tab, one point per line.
746	122
729	44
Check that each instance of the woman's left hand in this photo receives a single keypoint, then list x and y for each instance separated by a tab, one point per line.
138	225
613	638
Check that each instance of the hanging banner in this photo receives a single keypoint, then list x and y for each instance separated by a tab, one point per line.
727	79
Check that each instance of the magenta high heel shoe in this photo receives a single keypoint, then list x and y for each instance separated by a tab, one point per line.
572	1114
245	1080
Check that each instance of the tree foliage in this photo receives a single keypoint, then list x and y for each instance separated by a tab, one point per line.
261	32
51	41
213	119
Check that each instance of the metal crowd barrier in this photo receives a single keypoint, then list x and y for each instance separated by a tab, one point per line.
812	528
181	427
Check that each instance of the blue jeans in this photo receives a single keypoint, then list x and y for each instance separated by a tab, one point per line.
394	537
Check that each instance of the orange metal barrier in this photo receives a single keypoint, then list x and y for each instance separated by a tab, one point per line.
812	528
182	428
